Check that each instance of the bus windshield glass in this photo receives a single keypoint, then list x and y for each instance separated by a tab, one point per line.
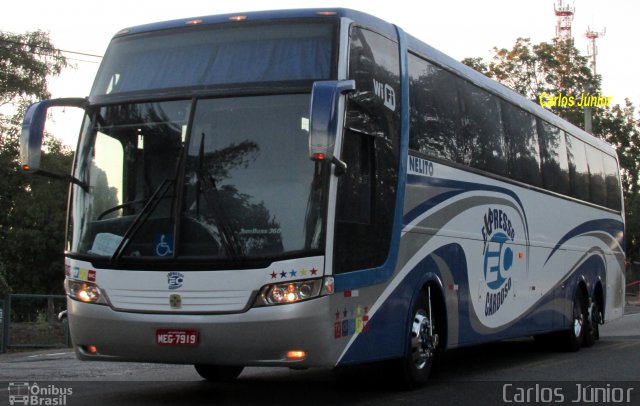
204	57
238	186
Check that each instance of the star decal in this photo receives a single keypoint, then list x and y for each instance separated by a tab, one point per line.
292	273
314	271
283	274
273	275
303	272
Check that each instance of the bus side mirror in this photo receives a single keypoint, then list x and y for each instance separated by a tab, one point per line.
323	119
33	130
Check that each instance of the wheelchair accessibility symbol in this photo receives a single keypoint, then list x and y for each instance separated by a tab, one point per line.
164	245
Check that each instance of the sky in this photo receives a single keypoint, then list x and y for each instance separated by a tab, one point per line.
459	28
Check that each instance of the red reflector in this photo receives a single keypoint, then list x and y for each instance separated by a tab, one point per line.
26	168
318	156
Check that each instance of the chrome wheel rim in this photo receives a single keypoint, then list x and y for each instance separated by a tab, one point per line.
421	348
577	320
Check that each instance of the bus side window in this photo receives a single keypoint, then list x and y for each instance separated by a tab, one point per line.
578	168
612	182
482	131
523	146
553	153
598	191
434	111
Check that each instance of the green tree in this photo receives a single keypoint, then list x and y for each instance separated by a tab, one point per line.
558	68
549	68
32	208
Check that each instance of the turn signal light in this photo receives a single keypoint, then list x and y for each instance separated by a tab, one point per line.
296	355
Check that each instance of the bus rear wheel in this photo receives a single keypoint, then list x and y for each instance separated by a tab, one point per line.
592	328
218	373
423	343
574	336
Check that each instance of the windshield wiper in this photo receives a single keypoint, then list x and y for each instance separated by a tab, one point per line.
141	218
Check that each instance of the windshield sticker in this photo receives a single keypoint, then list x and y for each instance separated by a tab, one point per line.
105	244
260	231
164	245
386	93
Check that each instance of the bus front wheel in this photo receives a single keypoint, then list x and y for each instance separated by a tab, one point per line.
218	373
423	343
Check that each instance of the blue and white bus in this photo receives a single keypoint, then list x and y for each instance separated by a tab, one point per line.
318	188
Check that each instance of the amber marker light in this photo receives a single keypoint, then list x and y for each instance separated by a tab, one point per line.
193	22
26	168
296	355
91	349
326	13
238	18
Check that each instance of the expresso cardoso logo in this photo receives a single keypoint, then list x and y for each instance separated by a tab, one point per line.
579	394
497	230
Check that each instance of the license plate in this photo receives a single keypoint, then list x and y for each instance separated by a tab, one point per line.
180	338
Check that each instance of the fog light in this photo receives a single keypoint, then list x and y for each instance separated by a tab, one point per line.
90	349
296	355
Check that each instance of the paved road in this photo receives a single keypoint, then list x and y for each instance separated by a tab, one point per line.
489	374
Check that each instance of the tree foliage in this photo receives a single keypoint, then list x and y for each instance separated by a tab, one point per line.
557	68
32	208
26	60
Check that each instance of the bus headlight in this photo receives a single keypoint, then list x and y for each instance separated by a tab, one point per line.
292	292
87	292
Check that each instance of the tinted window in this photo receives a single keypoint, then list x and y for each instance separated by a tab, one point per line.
553	154
483	144
434	110
522	142
578	168
367	191
597	189
612	182
205	56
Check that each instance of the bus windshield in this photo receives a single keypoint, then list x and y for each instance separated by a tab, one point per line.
238	185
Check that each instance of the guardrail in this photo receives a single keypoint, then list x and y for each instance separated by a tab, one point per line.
30	320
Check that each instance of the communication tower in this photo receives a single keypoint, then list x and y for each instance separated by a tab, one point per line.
592	49
564	14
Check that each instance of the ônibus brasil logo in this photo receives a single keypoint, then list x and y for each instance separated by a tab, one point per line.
498	258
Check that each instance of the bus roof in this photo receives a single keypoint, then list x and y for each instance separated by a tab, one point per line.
415	45
363	18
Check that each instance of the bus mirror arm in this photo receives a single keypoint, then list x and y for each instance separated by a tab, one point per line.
32	136
324	117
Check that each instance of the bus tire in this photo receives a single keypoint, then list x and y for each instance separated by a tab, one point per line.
592	330
218	373
423	343
575	334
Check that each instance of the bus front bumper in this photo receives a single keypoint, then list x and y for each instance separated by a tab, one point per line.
262	336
